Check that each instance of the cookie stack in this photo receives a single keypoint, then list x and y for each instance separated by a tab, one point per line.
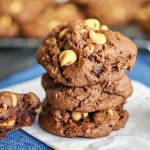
85	83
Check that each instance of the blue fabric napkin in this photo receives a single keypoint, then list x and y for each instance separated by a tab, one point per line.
22	141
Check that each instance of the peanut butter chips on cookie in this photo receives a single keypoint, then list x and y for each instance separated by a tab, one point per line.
73	124
17	111
86	53
86	86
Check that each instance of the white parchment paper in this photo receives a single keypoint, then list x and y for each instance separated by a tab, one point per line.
135	136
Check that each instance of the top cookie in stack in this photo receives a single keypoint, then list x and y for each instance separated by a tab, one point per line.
84	53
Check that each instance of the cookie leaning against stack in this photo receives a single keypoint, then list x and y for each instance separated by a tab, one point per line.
17	111
85	84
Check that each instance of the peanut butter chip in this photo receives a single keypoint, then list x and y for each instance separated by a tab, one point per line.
4	106
83	30
8	124
110	112
14	100
104	27
62	33
97	37
89	48
93	23
67	57
54	41
76	115
38	111
84	114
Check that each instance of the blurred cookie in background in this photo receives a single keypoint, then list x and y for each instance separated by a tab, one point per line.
143	16
24	10
80	2
49	19
8	27
110	12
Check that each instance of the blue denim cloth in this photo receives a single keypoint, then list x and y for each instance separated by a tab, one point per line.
22	141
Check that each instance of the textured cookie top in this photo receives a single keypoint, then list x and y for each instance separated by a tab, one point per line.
88	98
84	53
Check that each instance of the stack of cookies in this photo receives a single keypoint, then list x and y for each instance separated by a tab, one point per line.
85	83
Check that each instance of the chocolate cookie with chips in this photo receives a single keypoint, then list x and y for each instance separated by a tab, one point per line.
17	111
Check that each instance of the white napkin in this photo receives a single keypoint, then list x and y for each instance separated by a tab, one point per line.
135	136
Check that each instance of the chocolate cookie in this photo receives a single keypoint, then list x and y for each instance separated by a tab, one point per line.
49	19
82	124
8	27
84	53
17	111
143	16
24	10
110	12
87	98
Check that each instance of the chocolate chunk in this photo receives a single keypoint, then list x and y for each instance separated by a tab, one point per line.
99	63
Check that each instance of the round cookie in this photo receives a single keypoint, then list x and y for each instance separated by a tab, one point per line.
80	2
8	27
76	124
49	19
143	16
82	53
87	98
24	10
110	12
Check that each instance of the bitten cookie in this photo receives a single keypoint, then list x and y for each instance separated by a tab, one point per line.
17	111
87	98
110	12
49	19
8	27
76	124
84	53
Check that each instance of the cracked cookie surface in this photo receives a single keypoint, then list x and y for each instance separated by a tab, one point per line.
87	98
95	62
94	125
17	111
